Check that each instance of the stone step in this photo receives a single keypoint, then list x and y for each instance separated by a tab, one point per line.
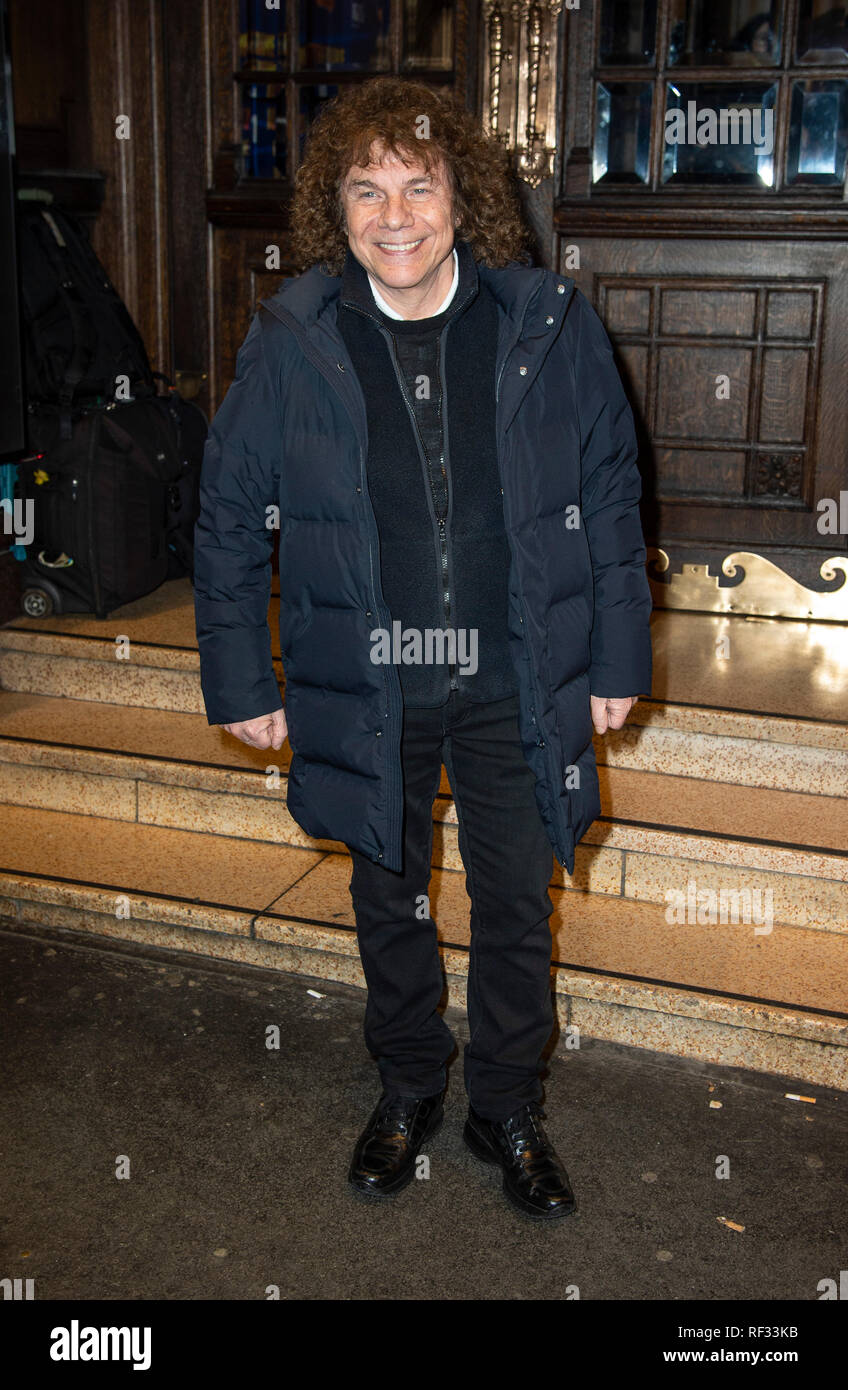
658	833
746	749
717	662
101	670
144	654
730	747
772	1002
722	720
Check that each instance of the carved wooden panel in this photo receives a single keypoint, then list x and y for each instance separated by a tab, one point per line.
701	472
720	369
704	496
689	375
778	475
783	409
707	312
627	310
790	314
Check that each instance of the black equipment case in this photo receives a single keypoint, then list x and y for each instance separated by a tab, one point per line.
110	483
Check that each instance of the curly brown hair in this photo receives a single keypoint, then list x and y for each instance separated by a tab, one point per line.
387	111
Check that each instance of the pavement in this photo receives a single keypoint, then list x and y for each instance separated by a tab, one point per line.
155	1147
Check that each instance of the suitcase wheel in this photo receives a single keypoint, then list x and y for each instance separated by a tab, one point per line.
37	603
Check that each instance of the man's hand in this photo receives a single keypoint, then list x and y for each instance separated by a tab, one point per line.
610	714
265	731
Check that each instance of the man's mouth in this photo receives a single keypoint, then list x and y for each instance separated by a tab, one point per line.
400	245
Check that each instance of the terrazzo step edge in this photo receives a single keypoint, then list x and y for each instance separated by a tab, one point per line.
212	883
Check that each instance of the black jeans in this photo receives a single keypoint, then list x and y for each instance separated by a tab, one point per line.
508	863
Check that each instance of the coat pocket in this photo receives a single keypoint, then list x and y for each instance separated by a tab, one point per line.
568	650
294	625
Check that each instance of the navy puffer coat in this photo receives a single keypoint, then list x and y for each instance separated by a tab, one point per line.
291	433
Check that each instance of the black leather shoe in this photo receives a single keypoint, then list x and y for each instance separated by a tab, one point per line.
535	1181
384	1158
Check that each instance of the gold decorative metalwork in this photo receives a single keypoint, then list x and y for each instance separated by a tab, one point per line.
765	589
498	55
520	81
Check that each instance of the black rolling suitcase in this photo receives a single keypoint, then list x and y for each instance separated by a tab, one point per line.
111	481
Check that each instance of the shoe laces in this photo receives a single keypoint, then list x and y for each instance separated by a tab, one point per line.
528	1116
397	1108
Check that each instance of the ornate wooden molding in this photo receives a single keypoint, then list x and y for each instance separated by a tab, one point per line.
520	81
691	215
778	475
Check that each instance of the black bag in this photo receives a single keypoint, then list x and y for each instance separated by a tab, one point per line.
113	507
78	335
112	484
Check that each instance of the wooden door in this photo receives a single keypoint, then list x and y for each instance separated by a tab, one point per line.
698	194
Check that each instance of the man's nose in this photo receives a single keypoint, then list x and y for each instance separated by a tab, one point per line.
396	212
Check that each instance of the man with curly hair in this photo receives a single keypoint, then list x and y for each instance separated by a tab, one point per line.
444	433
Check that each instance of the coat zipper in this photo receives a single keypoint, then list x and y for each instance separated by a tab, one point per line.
443	527
441	522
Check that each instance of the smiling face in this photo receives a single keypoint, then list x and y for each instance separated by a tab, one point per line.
400	226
